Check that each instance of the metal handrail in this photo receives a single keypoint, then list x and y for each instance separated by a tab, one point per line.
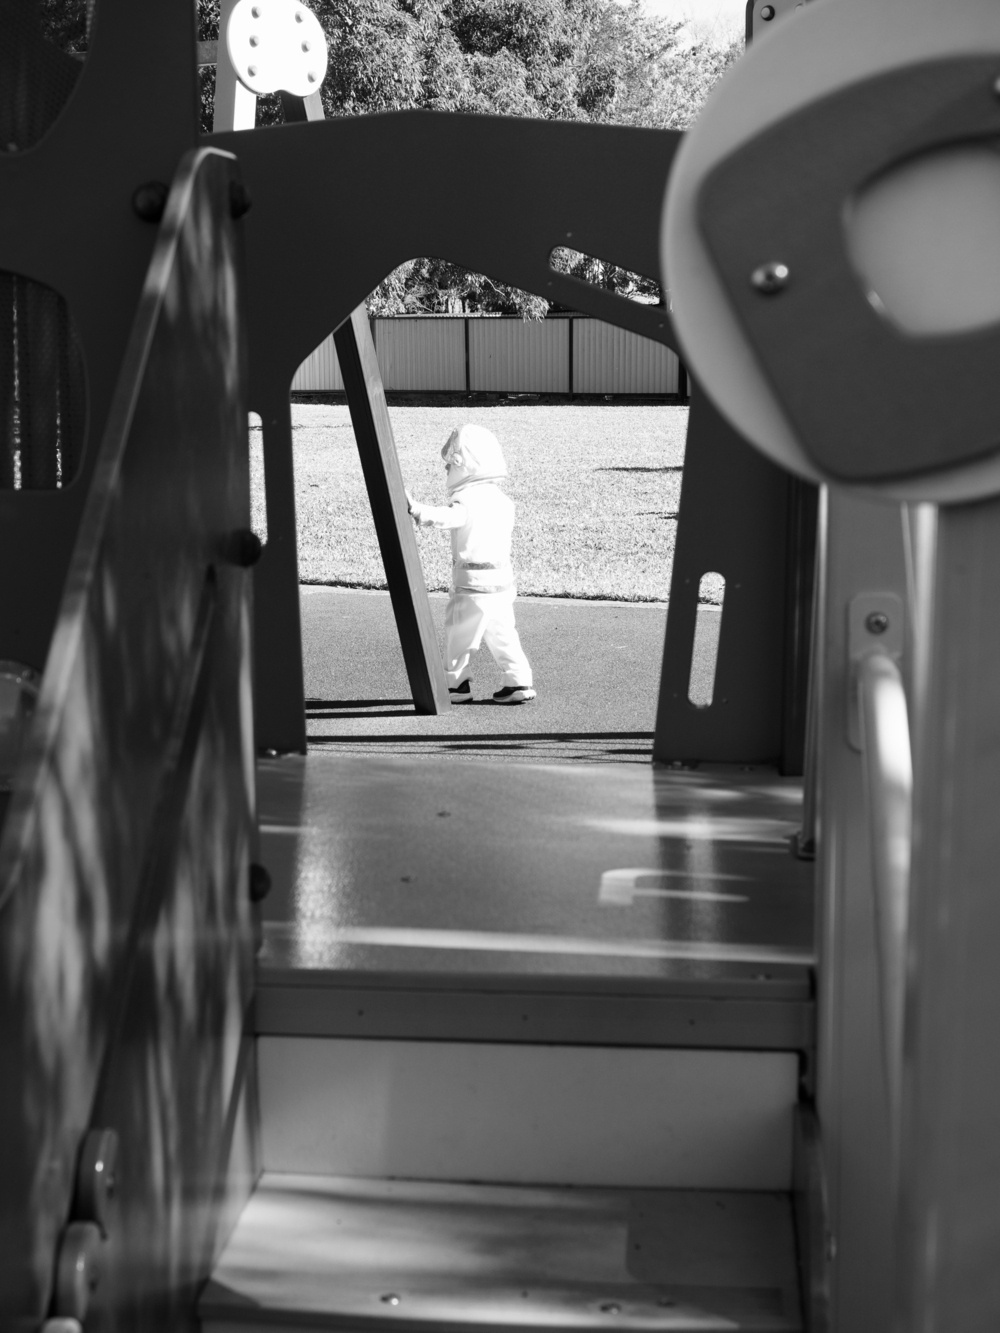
885	732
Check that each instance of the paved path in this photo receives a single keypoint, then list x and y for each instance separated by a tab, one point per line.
596	665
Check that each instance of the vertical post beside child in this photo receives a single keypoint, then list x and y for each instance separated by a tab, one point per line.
481	606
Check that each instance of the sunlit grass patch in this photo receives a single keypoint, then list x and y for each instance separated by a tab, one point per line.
596	487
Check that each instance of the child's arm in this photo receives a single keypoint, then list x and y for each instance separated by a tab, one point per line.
436	516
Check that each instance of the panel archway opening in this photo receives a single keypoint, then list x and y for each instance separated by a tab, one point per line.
592	423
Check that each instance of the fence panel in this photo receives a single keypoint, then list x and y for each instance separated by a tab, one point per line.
428	354
607	359
421	353
320	371
517	356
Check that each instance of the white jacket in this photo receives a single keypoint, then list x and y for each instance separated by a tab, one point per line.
480	516
481	519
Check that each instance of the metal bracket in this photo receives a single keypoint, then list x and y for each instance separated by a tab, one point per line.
874	625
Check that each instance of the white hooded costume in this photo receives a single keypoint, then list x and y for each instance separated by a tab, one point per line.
481	520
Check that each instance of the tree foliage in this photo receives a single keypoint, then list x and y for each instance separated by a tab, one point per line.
603	61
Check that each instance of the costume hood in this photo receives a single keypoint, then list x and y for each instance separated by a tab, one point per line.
476	455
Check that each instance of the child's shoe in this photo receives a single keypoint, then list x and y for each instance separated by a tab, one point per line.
461	694
514	694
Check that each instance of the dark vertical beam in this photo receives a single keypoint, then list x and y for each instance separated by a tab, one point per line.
298	109
800	582
468	371
279	692
393	526
732	521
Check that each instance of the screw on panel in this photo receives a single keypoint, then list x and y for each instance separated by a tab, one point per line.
252	70
77	1270
389	1299
245	547
95	1178
254	41
767	13
877	622
770	278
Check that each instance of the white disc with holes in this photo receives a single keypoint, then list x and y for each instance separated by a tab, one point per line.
276	45
818	49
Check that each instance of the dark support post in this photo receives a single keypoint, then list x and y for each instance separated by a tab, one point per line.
301	108
800	585
393	526
278	686
732	521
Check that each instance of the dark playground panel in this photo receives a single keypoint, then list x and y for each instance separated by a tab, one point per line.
125	925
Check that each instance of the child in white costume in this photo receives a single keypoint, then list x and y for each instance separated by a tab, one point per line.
481	606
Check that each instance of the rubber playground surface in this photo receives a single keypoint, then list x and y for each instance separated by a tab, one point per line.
596	668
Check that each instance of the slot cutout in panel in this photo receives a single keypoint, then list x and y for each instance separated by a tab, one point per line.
43	405
705	647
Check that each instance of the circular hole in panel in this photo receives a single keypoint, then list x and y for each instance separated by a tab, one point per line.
925	240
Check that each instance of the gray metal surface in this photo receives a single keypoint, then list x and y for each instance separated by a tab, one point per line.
432	868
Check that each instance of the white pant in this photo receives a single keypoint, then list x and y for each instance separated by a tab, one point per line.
473	618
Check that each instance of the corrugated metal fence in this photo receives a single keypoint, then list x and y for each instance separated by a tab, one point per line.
439	354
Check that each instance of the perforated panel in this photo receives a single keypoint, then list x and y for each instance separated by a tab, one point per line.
42	400
40	46
42	388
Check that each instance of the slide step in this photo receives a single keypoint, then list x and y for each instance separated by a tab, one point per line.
346	1253
519	1114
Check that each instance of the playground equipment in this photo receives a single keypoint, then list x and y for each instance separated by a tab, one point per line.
604	983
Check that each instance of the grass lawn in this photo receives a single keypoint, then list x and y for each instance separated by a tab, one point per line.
597	489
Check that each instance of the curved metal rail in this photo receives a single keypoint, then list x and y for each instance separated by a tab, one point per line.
885	733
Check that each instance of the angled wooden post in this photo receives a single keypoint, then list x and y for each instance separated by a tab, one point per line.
393	526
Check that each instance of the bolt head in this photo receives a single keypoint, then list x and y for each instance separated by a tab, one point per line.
240	204
770	278
150	200
876	622
767	13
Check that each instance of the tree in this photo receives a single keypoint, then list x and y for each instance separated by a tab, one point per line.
603	61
